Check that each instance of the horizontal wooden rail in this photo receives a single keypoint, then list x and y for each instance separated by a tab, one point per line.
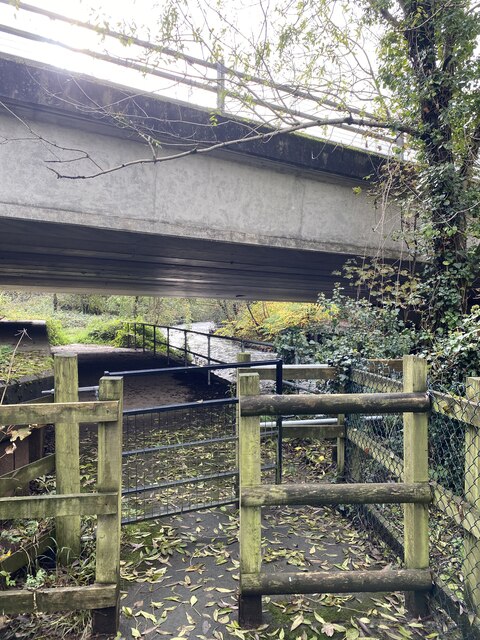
332	494
374	364
106	411
335	403
10	486
31	471
455	407
377	451
376	381
314	432
29	552
460	511
82	504
60	599
336	582
297	372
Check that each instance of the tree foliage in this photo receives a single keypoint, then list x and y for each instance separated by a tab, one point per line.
407	66
266	320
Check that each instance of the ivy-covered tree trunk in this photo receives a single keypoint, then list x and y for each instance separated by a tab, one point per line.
435	53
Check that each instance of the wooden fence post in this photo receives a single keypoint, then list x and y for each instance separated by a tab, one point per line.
67	456
242	356
250	606
471	563
415	455
107	569
340	452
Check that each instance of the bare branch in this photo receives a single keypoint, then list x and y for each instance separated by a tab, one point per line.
263	136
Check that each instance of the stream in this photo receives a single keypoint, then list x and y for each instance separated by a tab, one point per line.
220	349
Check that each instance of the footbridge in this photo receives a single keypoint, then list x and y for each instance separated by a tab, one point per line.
264	219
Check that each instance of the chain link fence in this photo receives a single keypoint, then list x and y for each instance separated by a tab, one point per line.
374	453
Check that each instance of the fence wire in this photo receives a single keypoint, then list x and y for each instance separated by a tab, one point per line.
375	454
181	458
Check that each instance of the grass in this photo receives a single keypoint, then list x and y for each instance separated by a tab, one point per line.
29	363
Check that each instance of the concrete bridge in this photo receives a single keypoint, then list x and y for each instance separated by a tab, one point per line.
270	219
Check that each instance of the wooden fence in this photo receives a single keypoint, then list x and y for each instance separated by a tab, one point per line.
414	492
462	511
70	503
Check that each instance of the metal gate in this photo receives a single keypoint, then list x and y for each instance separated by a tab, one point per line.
183	457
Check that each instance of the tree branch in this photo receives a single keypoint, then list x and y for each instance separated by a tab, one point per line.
263	136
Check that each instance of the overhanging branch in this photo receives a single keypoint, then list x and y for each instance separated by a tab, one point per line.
263	136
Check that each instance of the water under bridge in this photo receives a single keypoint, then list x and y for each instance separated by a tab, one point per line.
269	219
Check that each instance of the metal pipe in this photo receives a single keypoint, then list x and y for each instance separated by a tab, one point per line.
279	391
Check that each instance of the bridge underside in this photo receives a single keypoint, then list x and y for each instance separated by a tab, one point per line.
61	257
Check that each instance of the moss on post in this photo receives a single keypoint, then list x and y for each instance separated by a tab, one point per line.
415	446
107	570
250	606
67	458
471	563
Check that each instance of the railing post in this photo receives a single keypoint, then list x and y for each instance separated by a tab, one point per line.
135	336
185	347
67	456
340	453
208	357
471	563
168	345
250	607
107	566
154	341
128	334
415	456
279	390
143	337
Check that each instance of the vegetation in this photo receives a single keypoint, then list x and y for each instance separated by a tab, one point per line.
409	68
96	319
24	364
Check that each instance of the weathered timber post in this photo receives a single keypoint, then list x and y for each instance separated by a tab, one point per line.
242	356
340	452
67	456
415	455
250	606
107	568
471	563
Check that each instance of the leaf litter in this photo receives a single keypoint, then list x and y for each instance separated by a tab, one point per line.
200	554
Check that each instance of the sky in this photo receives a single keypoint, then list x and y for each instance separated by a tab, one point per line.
140	12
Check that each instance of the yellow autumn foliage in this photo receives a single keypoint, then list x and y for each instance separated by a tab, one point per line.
268	319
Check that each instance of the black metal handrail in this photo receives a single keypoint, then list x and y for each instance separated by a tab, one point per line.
178	407
208	367
213	335
139	331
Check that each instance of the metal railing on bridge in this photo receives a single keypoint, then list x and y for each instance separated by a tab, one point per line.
158	339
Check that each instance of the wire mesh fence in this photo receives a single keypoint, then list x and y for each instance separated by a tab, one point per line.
180	458
308	459
374	453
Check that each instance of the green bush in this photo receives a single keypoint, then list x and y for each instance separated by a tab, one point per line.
101	331
55	332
